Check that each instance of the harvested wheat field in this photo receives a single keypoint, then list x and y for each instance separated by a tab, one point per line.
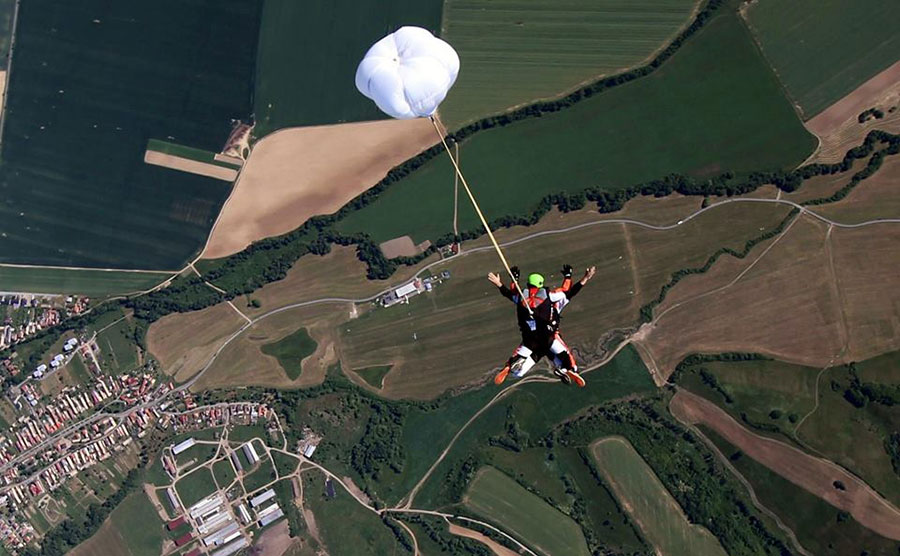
813	474
190	166
338	274
866	262
838	128
184	342
242	362
294	174
873	198
780	300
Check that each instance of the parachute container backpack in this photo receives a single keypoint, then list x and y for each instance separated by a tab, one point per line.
408	73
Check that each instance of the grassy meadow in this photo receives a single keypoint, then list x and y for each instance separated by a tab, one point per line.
93	82
715	106
374	376
344	524
308	53
195	487
564	479
823	49
290	351
820	528
658	515
498	498
93	283
848	435
516	51
119	534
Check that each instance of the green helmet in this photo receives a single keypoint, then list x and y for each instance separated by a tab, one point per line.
536	280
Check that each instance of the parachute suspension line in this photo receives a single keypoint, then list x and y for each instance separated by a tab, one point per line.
487	228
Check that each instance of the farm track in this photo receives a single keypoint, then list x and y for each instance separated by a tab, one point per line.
816	475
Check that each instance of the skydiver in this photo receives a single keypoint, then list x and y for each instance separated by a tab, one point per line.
540	327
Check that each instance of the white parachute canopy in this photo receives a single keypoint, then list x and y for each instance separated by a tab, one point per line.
408	73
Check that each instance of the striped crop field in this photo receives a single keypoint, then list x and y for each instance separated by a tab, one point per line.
657	514
823	49
493	495
515	51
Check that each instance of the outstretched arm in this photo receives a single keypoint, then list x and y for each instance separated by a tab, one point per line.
494	278
572	290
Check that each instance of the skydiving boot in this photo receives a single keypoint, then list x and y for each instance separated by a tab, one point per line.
562	375
576	378
501	376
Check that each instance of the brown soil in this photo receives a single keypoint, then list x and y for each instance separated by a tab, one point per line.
875	197
242	363
294	174
184	342
779	302
838	128
402	246
274	541
813	474
190	166
495	547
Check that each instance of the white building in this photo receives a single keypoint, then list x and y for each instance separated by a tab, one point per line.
182	446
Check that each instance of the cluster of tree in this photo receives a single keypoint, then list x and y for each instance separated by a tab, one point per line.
399	533
892	448
712	381
381	446
452	545
869	114
646	313
859	393
704	489
513	438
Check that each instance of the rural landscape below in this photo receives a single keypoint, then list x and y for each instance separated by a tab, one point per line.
450	277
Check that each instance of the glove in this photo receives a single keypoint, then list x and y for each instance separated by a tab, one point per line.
515	272
567	271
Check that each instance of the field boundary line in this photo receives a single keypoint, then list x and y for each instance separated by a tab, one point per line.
736	278
743	480
12	45
87	268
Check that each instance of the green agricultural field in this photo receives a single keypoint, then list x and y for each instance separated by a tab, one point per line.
768	395
93	283
187	152
79	370
117	348
198	453
344	524
498	498
658	515
145	540
308	53
290	351
823	49
7	8
714	106
374	376
820	528
851	436
516	51
77	191
195	487
564	479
